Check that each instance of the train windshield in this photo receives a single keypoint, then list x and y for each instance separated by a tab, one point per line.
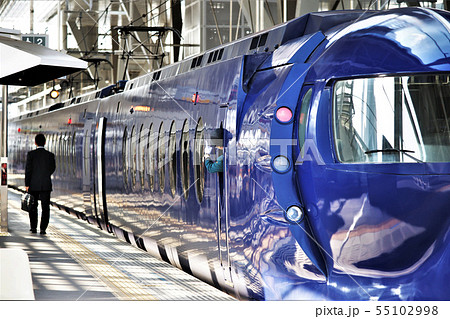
392	119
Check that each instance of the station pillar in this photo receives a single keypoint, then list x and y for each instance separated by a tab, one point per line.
4	162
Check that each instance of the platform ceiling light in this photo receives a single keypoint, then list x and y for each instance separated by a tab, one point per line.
281	164
284	114
294	214
54	94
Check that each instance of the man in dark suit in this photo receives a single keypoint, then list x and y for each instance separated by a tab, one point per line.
39	168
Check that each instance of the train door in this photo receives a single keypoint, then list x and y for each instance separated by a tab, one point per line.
88	172
99	177
222	193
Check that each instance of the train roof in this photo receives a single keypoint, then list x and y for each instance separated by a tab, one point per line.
98	94
264	41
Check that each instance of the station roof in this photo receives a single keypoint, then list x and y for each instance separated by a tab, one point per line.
27	64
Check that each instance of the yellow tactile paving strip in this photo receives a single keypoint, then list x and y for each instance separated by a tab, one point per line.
121	286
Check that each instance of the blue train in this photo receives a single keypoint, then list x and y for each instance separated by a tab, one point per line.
336	181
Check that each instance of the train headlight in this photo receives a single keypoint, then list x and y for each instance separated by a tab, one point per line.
284	114
294	214
281	164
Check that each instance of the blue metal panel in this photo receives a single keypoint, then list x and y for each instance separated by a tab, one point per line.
402	41
295	51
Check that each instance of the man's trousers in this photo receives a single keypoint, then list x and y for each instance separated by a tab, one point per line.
44	197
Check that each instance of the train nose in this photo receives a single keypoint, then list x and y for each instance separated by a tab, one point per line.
401	224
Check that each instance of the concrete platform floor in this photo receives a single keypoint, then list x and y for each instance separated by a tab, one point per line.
76	261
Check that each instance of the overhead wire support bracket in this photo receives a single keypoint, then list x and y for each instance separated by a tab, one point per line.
158	31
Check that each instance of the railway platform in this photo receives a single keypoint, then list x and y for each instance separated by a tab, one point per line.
76	261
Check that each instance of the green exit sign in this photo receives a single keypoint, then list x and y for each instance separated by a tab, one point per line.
41	39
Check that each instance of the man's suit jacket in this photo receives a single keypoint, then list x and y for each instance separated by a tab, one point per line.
39	168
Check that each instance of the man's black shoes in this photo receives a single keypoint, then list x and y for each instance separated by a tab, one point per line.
34	231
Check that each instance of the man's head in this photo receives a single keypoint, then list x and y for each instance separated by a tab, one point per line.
40	140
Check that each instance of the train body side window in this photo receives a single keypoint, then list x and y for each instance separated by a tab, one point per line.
199	150
86	153
124	157
141	156
161	158
65	153
58	168
151	157
68	154
68	157
173	158
133	148
60	154
49	143
184	159
74	154
55	146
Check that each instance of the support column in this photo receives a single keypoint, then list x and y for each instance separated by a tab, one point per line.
304	7
447	5
4	162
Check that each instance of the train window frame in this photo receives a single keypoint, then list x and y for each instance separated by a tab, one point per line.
49	143
184	159
68	160
254	43
173	158
400	138
124	156
58	168
199	151
220	54
303	115
74	154
161	158
262	39
60	154
142	156
151	158
86	152
55	148
68	153
133	155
